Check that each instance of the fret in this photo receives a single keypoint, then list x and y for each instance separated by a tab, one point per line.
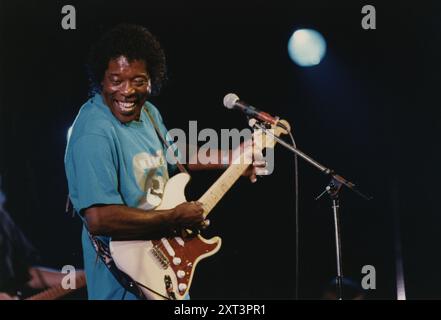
221	186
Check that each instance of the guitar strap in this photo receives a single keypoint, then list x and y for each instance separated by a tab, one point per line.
103	251
164	140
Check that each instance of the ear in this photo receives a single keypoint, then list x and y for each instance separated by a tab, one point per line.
149	87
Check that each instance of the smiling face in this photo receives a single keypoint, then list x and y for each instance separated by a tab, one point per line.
125	88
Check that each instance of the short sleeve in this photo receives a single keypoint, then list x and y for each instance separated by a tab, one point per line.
94	173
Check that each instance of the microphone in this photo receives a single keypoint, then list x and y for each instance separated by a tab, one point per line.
232	101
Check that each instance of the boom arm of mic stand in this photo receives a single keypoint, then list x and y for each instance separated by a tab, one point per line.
319	166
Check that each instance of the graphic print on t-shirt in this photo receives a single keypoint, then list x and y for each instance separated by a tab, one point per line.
150	172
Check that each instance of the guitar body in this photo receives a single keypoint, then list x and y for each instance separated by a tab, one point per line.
164	268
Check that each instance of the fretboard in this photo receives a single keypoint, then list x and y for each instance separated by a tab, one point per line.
221	186
234	171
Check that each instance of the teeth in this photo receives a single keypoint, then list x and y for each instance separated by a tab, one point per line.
126	105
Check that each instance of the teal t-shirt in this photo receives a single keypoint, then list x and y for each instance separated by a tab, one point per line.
108	162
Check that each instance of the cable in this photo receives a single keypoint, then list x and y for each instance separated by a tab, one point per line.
151	290
296	186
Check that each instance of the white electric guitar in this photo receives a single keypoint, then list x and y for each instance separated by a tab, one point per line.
164	269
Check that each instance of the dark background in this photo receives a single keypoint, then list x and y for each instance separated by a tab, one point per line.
370	111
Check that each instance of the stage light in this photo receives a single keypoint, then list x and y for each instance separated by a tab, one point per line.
306	47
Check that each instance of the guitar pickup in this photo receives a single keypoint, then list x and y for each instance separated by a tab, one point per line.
169	287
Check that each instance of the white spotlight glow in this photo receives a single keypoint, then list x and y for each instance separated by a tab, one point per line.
306	47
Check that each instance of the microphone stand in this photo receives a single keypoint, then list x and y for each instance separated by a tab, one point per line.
331	189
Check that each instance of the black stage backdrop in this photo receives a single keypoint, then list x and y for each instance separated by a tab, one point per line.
370	111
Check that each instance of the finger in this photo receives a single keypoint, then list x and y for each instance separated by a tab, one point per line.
259	164
253	178
197	204
262	172
200	207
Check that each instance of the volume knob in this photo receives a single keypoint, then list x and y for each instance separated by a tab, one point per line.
180	274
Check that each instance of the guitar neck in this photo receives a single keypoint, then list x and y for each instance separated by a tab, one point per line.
221	186
58	291
234	171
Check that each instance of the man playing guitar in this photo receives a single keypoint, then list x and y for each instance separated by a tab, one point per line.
115	157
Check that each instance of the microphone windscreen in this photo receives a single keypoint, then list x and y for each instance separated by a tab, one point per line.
230	100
